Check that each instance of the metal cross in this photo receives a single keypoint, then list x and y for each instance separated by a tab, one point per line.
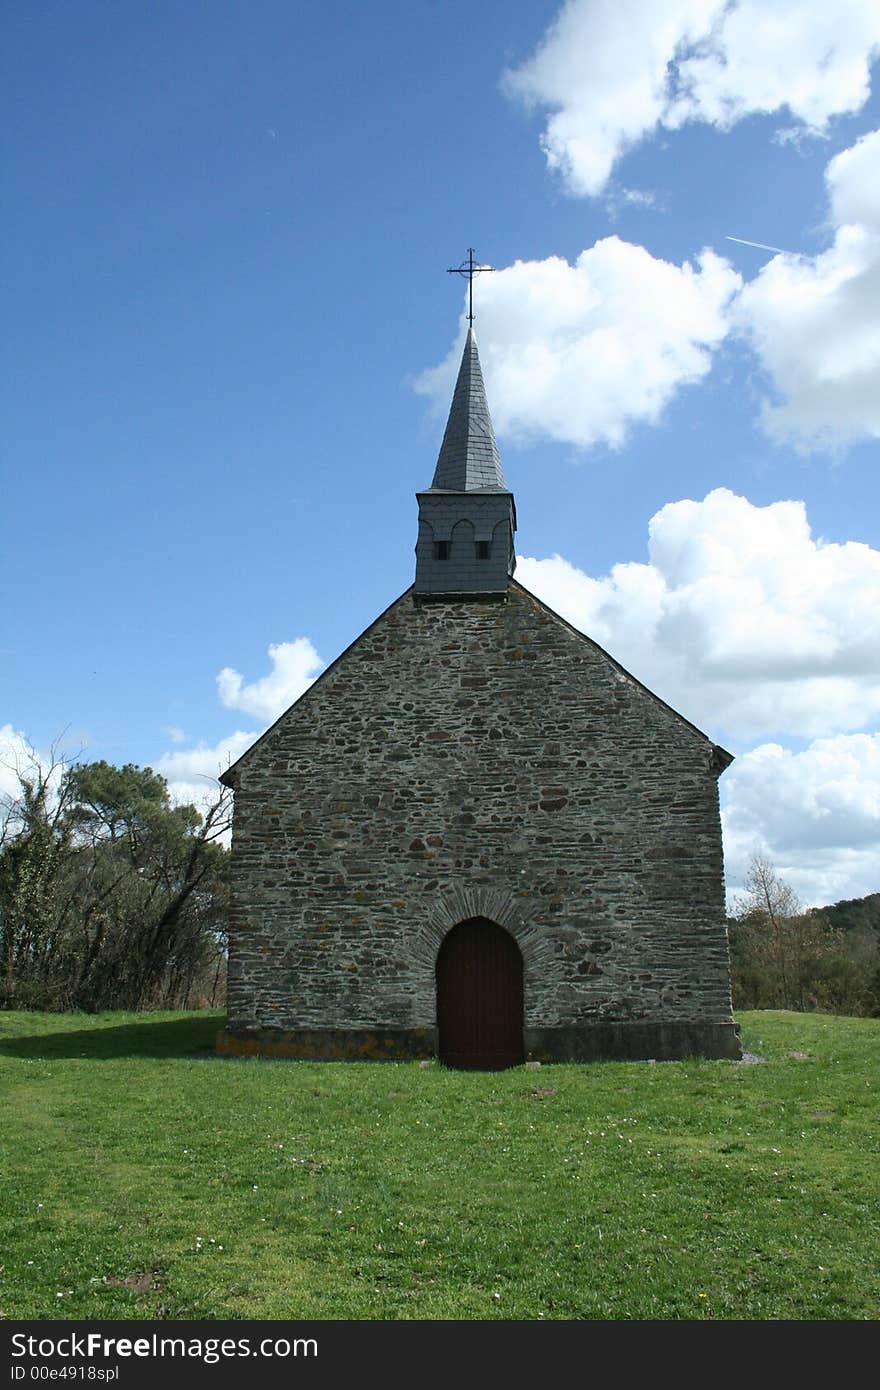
470	269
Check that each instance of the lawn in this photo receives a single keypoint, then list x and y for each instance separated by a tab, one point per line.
140	1177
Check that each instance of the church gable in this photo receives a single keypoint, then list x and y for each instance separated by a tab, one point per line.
525	656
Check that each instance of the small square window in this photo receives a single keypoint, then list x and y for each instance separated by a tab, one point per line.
483	550
441	550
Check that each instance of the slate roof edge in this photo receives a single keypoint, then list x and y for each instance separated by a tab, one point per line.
226	777
721	759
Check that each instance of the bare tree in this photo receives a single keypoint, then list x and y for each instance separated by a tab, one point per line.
783	956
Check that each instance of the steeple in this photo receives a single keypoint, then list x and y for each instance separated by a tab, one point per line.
469	456
467	517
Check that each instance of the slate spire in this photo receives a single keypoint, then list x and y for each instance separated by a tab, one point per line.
469	457
467	517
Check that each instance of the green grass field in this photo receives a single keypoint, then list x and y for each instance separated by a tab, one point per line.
142	1178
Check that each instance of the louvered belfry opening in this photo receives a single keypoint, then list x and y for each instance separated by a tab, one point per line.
480	998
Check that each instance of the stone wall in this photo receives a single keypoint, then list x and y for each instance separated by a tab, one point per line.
479	758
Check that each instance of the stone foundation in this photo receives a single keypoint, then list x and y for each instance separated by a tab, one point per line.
598	1042
633	1042
330	1044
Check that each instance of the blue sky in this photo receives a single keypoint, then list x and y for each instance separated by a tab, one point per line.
230	342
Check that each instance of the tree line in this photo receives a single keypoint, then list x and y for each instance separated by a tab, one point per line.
785	957
111	897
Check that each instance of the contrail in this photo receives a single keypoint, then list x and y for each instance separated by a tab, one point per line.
761	246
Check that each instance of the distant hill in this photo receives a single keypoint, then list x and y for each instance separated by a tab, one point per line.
852	914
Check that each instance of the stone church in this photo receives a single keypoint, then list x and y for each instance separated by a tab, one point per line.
476	837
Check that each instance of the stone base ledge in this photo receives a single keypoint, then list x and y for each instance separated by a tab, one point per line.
590	1042
329	1044
633	1042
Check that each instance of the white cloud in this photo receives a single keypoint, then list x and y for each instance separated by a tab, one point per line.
815	322
192	773
294	666
611	71
805	56
749	625
17	756
635	198
581	352
853	179
815	814
195	766
741	620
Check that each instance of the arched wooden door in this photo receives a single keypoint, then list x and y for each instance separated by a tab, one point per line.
480	997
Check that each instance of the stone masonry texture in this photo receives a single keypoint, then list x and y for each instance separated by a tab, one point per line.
478	758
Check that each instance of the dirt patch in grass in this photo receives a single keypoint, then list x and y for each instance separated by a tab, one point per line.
138	1283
